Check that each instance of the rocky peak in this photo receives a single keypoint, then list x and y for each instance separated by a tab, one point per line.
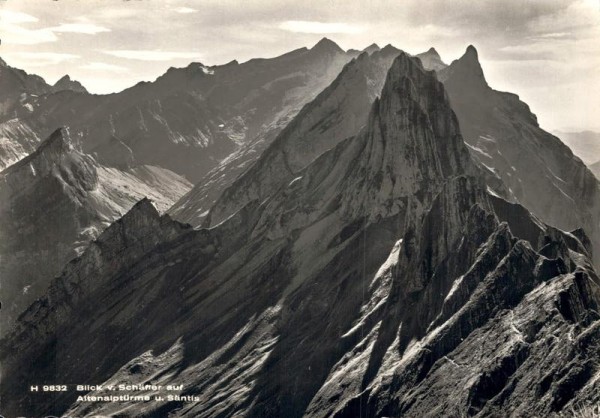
144	207
432	51
327	46
390	49
59	140
371	48
51	150
471	52
64	79
56	158
412	94
66	83
431	60
467	71
411	144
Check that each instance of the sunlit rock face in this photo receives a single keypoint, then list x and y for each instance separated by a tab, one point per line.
373	281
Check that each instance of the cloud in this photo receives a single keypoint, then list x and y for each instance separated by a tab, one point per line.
306	26
185	10
86	28
41	59
10	17
16	28
152	55
13	34
102	66
13	26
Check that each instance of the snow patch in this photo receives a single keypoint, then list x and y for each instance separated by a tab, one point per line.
294	181
478	150
492	192
207	70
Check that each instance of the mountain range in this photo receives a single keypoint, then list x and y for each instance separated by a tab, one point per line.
187	121
204	119
394	238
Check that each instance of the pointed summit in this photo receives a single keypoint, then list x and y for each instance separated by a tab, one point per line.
64	79
403	66
466	72
371	48
431	60
413	114
57	144
66	83
470	59
58	158
144	210
327	46
50	152
472	52
432	51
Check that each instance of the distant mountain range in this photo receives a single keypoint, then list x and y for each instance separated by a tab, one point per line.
372	234
188	120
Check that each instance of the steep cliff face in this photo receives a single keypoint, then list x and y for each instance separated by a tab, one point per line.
541	172
352	288
334	115
53	202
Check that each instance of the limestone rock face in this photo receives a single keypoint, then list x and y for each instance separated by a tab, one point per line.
374	281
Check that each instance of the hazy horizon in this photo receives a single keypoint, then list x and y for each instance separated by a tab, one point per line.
546	52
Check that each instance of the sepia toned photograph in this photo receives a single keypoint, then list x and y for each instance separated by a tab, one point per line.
283	208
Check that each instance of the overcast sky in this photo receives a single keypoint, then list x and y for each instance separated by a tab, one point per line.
547	51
